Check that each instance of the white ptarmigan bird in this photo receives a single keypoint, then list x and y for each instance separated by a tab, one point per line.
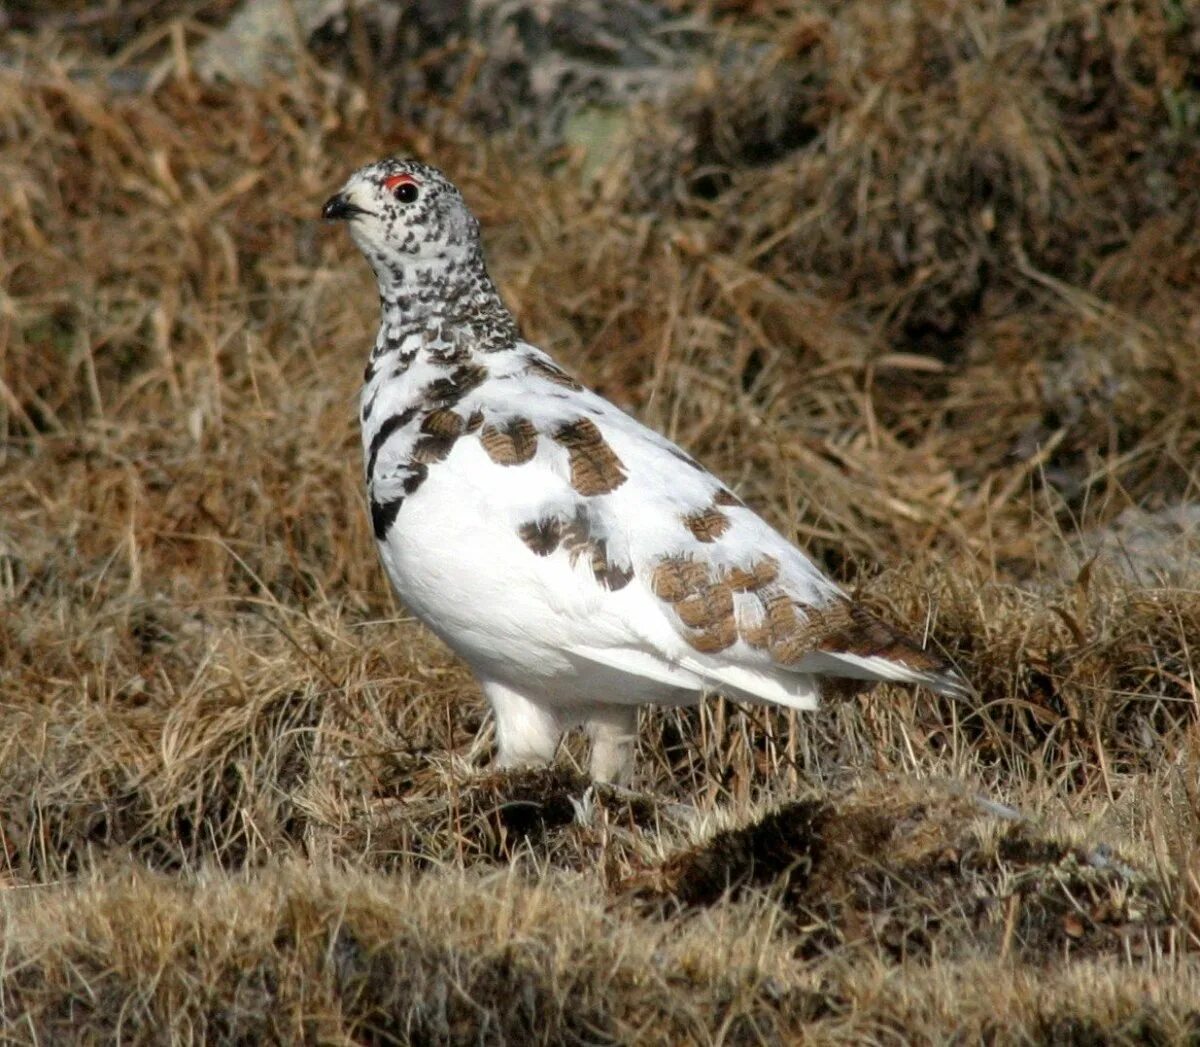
581	564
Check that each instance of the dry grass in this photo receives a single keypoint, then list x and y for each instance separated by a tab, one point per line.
922	285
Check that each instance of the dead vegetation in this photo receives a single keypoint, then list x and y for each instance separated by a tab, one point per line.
920	285
913	875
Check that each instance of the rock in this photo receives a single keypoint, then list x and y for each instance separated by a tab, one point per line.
1149	548
531	65
261	38
526	65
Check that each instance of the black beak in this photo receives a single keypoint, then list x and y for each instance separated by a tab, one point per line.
337	208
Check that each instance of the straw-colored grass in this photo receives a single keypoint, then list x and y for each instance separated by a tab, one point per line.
921	280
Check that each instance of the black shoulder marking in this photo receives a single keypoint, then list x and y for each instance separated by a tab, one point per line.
417	472
389	426
383	515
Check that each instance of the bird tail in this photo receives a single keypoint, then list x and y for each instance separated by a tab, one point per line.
847	665
865	648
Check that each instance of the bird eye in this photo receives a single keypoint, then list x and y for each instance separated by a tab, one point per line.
402	187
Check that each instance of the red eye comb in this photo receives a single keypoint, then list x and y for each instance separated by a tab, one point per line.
392	181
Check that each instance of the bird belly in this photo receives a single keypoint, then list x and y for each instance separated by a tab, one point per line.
514	617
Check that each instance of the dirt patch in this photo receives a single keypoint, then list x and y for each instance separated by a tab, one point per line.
552	816
783	847
915	878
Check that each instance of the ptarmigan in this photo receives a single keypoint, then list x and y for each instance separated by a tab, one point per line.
581	564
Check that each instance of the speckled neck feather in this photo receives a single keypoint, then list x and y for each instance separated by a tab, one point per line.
448	308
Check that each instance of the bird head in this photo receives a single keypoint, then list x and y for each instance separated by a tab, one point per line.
403	212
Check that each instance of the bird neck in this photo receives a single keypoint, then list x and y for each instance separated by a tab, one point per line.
445	307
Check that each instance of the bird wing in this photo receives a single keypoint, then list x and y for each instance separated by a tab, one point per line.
684	578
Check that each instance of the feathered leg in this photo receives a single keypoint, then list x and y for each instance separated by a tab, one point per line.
527	734
613	731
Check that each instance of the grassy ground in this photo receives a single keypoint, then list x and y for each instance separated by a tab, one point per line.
923	284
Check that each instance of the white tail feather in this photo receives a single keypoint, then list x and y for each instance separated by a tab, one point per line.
876	667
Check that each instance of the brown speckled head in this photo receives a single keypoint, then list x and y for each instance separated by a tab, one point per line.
403	211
